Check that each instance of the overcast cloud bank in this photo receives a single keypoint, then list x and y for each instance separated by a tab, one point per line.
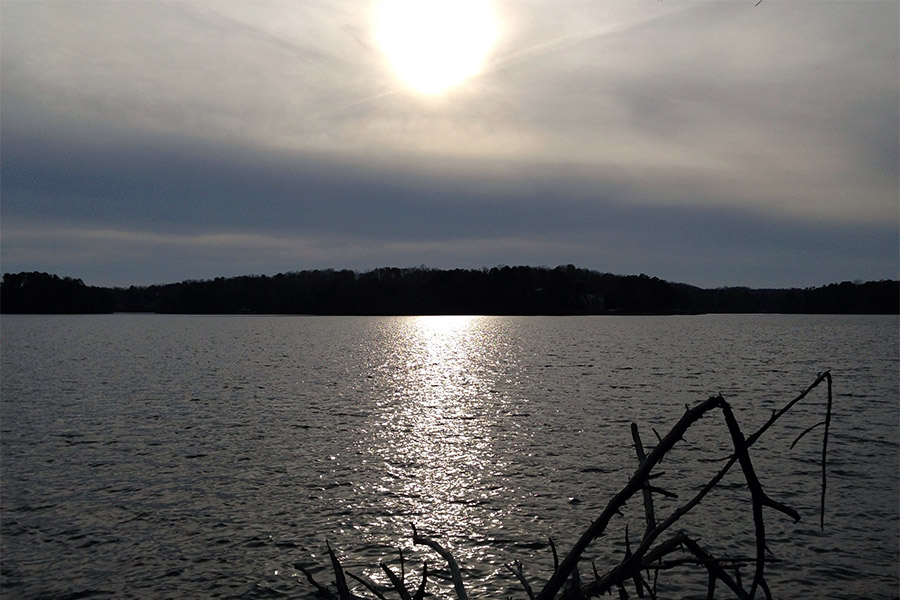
715	144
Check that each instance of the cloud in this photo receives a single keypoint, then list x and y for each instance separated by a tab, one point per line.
772	109
178	213
702	143
710	249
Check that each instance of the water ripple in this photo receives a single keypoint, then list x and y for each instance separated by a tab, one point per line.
149	456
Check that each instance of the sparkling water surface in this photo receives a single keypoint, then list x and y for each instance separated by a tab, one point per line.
150	456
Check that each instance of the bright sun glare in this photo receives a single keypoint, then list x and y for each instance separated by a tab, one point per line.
435	44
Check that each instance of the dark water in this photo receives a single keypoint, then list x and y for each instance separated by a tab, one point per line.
148	456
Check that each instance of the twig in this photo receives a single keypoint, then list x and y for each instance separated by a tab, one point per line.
648	495
661	491
827	375
778	413
805	431
420	593
399	587
368	585
634	484
521	577
451	562
323	590
565	578
555	555
339	579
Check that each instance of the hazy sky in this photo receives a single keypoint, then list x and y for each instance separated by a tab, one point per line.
713	143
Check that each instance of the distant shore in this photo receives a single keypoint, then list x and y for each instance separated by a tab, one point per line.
564	290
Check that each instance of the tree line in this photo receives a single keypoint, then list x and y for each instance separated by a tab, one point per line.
522	290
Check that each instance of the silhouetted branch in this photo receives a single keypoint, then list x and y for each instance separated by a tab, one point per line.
636	482
633	564
339	579
420	593
521	577
451	562
555	555
323	590
398	584
827	376
648	495
635	579
804	432
368	585
758	497
565	581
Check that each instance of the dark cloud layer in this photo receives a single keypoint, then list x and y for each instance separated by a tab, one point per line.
277	214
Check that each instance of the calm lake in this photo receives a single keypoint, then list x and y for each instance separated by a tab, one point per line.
150	456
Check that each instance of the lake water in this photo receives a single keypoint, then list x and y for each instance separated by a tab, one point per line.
150	456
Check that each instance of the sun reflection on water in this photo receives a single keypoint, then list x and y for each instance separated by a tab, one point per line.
433	437
436	438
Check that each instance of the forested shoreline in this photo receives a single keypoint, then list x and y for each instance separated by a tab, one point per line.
522	290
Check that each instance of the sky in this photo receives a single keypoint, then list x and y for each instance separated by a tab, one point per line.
710	143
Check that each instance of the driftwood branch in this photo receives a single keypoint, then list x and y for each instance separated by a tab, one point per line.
420	593
368	585
397	582
827	376
451	562
553	586
648	494
517	571
555	555
648	555
339	579
323	590
625	569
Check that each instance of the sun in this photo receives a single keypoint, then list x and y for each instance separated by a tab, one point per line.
435	45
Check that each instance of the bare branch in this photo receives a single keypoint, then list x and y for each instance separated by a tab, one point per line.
565	582
634	484
778	414
420	593
805	431
521	577
827	376
451	562
368	585
399	587
659	490
323	590
648	496
555	555
629	566
715	569
339	579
